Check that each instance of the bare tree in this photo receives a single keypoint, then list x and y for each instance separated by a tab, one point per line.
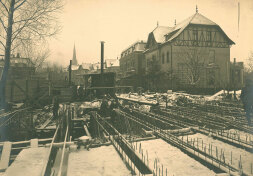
24	20
154	75
250	63
193	61
37	52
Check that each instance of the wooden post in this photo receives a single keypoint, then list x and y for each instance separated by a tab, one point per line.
34	143
4	162
234	81
166	101
231	158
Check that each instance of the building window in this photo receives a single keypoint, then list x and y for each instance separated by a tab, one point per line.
211	56
163	58
168	57
208	36
153	57
195	35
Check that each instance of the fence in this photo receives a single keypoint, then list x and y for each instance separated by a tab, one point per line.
19	90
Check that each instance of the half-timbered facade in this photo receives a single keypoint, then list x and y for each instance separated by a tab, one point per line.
194	53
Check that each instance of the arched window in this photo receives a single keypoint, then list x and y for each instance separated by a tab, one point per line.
163	58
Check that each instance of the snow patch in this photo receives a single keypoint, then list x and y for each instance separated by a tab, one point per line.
97	162
28	162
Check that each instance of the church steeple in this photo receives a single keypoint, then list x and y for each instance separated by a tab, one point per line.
74	60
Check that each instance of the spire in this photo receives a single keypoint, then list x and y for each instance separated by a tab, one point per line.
74	60
175	22
197	9
157	23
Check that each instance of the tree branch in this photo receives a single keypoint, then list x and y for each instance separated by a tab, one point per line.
4	6
19	4
3	24
2	43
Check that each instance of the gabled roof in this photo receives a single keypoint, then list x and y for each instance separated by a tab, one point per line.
159	33
86	66
136	46
197	18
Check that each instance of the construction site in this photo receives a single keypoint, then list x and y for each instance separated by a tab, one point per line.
174	105
108	130
148	134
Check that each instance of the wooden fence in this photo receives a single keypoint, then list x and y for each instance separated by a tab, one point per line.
20	90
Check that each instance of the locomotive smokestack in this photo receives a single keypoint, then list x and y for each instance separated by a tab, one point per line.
102	56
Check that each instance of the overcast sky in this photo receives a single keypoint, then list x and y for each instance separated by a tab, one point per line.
122	22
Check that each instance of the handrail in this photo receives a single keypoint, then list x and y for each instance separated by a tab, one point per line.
49	152
27	142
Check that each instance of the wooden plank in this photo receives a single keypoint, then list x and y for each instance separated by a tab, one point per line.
4	163
34	143
46	123
86	131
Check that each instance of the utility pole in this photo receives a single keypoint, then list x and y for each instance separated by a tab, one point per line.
234	81
102	57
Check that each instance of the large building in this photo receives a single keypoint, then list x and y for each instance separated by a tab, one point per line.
194	53
19	67
132	64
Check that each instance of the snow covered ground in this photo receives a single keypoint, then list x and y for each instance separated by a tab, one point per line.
28	162
219	95
246	157
101	161
176	162
173	97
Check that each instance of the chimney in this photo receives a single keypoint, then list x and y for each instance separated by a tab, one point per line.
102	57
175	22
